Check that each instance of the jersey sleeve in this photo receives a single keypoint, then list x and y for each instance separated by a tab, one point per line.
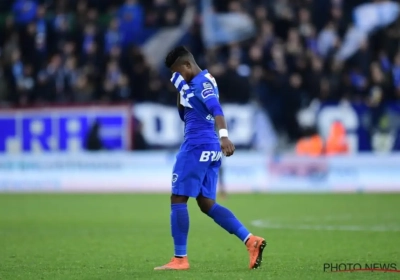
207	95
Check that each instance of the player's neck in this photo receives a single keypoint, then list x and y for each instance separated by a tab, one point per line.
196	71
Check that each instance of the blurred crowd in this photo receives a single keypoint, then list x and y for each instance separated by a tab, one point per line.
79	51
292	61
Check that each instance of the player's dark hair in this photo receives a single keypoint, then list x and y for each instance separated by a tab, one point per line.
174	54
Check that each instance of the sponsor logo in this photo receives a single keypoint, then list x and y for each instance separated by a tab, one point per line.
210	156
207	93
174	177
313	170
36	131
207	85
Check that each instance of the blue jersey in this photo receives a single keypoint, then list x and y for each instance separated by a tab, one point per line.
196	168
200	101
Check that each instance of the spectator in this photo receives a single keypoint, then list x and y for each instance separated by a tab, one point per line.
384	61
294	97
396	71
238	86
28	42
117	56
155	92
17	65
10	46
140	75
171	18
81	13
123	92
25	86
305	25
24	11
327	39
83	90
113	73
50	82
62	31
314	76
7	30
41	36
71	76
91	57
131	22
89	38
109	90
359	82
113	36
68	50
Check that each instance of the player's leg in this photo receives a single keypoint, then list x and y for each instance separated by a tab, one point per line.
226	219
179	220
185	184
223	217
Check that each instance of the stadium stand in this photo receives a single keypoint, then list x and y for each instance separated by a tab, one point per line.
91	51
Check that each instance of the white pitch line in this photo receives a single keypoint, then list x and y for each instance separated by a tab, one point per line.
376	228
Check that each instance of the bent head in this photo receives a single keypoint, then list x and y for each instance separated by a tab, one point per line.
182	61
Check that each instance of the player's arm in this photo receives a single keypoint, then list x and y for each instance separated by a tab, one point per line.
215	109
226	145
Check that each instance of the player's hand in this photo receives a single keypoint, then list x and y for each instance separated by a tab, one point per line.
227	147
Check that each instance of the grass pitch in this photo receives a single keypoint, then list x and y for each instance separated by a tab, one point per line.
117	237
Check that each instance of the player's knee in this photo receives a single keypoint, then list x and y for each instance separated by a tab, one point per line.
205	204
203	207
178	199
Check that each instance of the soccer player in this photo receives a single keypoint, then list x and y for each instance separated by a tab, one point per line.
195	173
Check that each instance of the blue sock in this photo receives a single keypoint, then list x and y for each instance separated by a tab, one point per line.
180	228
225	218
